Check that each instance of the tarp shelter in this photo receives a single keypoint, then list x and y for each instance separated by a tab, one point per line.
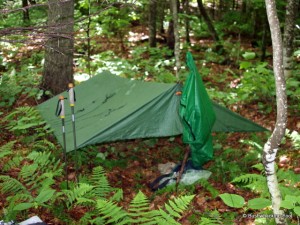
111	108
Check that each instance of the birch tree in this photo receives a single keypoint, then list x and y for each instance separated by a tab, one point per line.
288	36
272	145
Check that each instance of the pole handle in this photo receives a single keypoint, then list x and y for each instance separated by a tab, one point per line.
72	97
62	106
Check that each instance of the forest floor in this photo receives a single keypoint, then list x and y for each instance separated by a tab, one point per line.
132	165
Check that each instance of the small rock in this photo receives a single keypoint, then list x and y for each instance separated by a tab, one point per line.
166	168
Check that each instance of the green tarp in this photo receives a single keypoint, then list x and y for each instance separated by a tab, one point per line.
111	108
197	115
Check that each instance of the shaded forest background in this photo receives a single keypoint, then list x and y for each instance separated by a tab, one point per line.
231	44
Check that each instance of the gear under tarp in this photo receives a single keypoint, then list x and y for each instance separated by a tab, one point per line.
111	108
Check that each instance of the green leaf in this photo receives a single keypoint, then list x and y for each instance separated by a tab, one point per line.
44	196
245	65
23	206
287	204
297	210
249	55
259	203
233	200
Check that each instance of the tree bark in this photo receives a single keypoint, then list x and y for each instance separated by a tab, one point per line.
208	21
161	6
272	145
186	8
174	9
152	22
58	67
26	17
288	36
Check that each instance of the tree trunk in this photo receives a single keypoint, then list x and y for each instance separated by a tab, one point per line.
208	21
171	36
272	145
174	9
288	36
25	11
152	22
186	8
58	67
161	6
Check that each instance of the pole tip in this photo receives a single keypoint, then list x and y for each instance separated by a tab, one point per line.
70	85
61	97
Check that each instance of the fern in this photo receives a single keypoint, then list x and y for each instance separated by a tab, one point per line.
175	208
28	171
139	211
164	218
77	193
248	178
87	218
6	149
43	145
9	212
255	182
28	117
13	163
9	185
100	182
118	195
111	213
41	158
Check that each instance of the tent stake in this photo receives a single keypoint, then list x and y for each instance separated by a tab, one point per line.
72	99
60	111
185	158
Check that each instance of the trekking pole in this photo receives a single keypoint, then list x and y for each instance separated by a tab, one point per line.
60	111
72	99
185	158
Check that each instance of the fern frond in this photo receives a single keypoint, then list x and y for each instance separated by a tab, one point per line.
13	163
85	201
165	218
139	209
9	185
209	221
249	178
6	149
41	182
77	192
20	197
100	182
179	205
118	195
41	158
27	171
255	182
259	166
111	213
43	145
87	218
